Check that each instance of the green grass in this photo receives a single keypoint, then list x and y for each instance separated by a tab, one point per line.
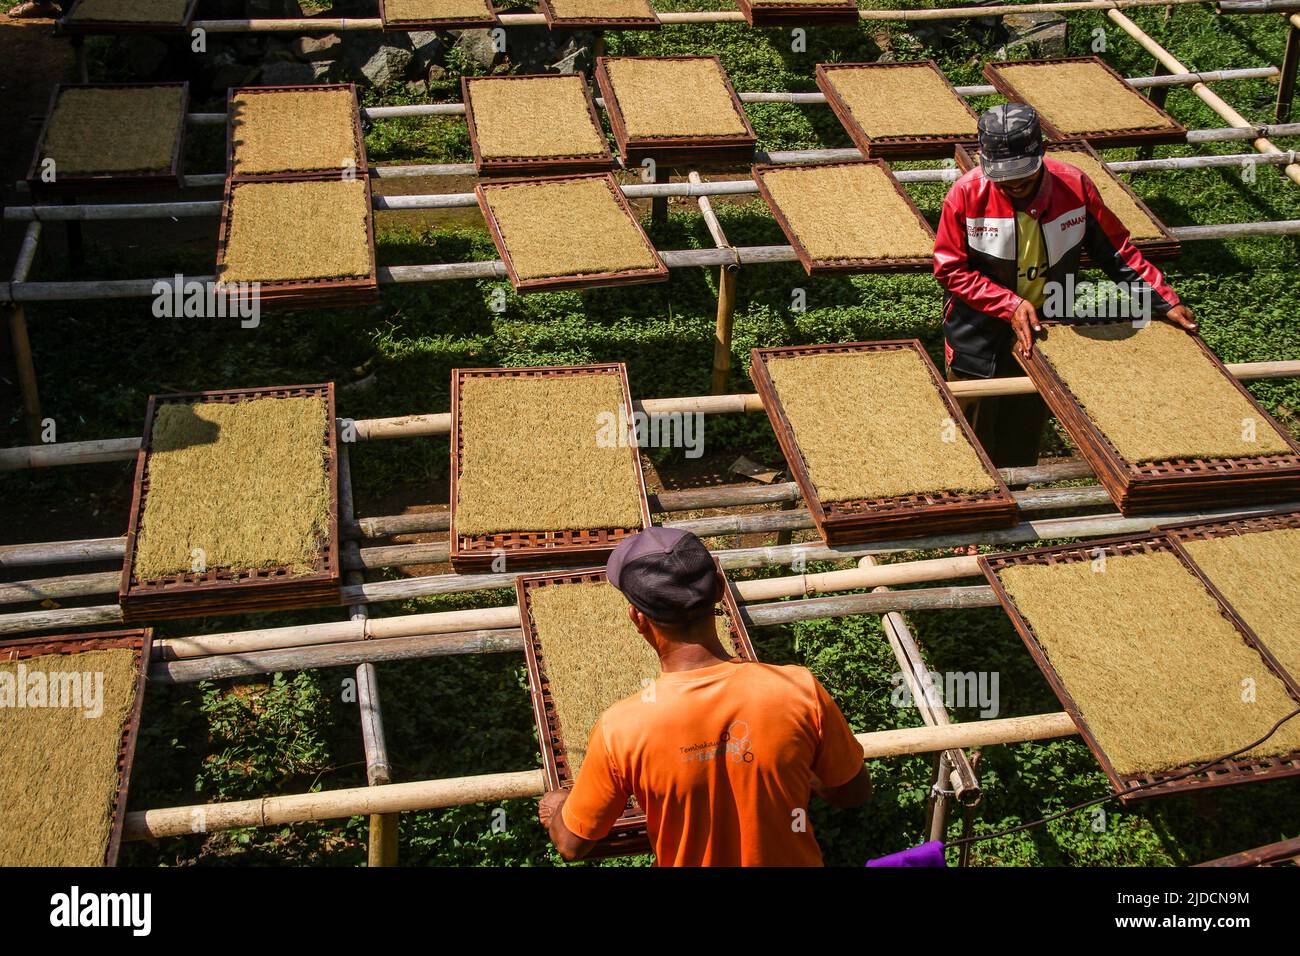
453	716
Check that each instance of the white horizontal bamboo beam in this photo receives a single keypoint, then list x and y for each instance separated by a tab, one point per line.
439	423
490	788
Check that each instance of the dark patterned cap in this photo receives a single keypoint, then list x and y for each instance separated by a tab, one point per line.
1011	142
665	573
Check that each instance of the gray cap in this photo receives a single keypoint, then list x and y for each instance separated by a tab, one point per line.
665	573
1011	142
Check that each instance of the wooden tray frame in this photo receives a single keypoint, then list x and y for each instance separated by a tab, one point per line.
139	640
526	165
107	27
1276	520
629	834
676	150
555	22
489	19
107	182
1239	770
475	554
587	280
1272	854
840	266
926	146
866	520
1103	138
1166	247
294	175
220	591
307	293
1165	485
830	13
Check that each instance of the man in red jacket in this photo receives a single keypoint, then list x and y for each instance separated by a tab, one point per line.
1007	254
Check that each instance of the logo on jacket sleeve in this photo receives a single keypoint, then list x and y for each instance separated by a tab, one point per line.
992	235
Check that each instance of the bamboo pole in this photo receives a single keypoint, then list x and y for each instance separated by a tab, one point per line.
1290	66
441	272
24	365
678	18
439	423
381	850
954	769
1207	95
727	276
489	788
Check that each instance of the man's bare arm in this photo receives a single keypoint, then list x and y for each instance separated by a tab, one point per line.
852	794
570	846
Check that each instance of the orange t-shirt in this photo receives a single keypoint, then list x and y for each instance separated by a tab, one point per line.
722	760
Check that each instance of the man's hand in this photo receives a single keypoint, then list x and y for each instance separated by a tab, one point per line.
1025	323
550	805
1182	317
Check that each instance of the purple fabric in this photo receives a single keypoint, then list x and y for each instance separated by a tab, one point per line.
927	854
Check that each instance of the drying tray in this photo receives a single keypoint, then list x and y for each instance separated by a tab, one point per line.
832	266
111	181
876	519
555	22
1166	247
1153	487
933	146
1102	138
830	13
226	590
293	175
105	27
586	280
138	640
329	293
676	150
629	834
1227	773
527	165
476	553
488	19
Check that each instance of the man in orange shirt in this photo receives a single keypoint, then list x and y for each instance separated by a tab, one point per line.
722	754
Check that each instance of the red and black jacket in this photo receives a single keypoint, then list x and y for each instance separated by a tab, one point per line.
975	258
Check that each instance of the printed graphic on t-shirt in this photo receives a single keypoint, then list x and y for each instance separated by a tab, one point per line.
733	742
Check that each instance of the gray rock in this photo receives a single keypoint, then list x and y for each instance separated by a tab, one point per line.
327	71
426	45
574	62
477	47
417	87
1034	35
311	49
225	70
388	65
287	73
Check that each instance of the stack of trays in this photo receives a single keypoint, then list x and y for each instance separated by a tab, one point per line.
1083	98
674	110
558	665
876	442
218	556
402	15
898	110
1149	660
111	136
567	500
297	217
72	812
1162	423
780	13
